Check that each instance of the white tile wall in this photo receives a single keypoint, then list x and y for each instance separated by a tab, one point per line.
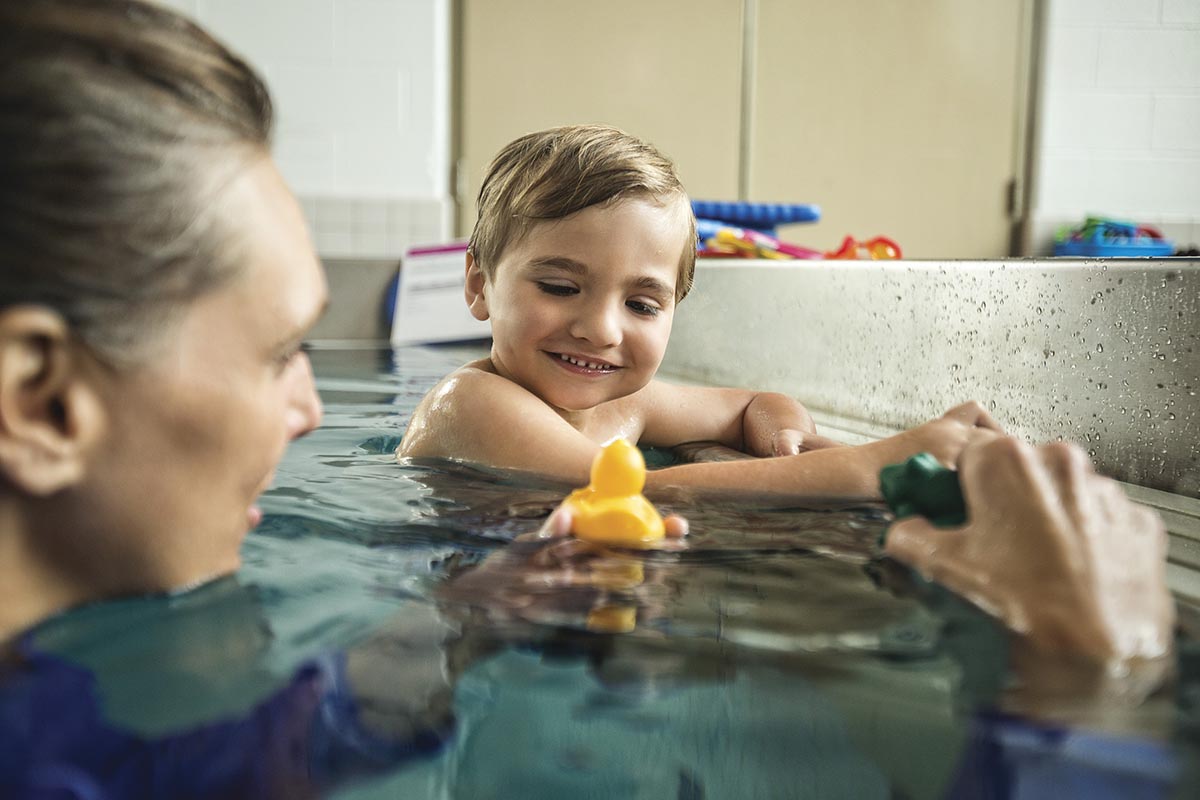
1119	118
1085	119
1150	59
1071	56
1111	11
1181	12
270	32
361	90
1153	187
1177	122
375	228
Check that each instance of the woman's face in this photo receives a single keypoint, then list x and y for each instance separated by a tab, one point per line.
192	436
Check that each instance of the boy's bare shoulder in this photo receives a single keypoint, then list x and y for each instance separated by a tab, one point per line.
451	417
473	383
473	373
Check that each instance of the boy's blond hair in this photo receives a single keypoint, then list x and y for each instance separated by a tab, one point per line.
554	173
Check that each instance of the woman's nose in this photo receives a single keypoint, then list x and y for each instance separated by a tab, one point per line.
304	412
599	324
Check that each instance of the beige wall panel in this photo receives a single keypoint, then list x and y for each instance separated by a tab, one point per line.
896	118
667	71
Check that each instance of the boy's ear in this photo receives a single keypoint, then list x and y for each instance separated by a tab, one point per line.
473	290
49	412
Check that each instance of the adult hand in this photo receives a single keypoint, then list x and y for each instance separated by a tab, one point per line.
1055	551
944	437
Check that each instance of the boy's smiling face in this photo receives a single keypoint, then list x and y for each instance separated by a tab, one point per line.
581	307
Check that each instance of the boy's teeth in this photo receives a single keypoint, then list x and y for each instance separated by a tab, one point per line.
577	362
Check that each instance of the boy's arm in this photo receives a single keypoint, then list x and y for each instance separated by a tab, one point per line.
758	423
836	472
482	418
777	425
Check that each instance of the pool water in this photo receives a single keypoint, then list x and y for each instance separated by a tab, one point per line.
773	656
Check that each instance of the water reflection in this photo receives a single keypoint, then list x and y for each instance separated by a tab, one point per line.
193	710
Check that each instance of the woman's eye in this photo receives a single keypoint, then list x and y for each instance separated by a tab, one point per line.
290	355
557	289
644	309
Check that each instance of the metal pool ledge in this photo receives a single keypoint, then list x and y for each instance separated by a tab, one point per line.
1103	352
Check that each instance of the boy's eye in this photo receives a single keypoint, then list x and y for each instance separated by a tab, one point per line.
644	309
557	289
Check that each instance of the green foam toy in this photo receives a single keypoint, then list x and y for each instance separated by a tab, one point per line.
922	486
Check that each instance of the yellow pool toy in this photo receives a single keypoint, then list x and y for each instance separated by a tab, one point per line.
612	619
611	509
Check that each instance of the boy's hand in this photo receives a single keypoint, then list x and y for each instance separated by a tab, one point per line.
1054	550
789	442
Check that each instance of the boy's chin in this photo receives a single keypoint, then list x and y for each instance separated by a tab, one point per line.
573	403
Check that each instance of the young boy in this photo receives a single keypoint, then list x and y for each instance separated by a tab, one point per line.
584	244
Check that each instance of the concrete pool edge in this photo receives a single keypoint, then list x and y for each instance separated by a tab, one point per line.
1102	352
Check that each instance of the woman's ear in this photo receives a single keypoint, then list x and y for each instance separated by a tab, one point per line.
473	290
50	412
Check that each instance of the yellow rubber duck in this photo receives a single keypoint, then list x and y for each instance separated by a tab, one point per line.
612	619
611	509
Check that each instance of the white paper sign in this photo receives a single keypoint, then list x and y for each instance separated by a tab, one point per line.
430	306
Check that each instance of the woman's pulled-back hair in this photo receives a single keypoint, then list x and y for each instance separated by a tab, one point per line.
120	124
557	172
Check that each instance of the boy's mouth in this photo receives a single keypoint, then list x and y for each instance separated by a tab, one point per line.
580	364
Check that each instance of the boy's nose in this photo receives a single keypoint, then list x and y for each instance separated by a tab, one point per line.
599	325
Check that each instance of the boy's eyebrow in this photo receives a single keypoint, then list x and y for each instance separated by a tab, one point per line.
654	285
560	262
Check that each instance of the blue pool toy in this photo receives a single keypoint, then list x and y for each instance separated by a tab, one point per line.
1101	237
763	217
389	301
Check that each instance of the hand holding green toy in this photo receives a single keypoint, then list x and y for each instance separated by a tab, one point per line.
1055	551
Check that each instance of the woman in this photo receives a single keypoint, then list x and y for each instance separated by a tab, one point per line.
157	283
